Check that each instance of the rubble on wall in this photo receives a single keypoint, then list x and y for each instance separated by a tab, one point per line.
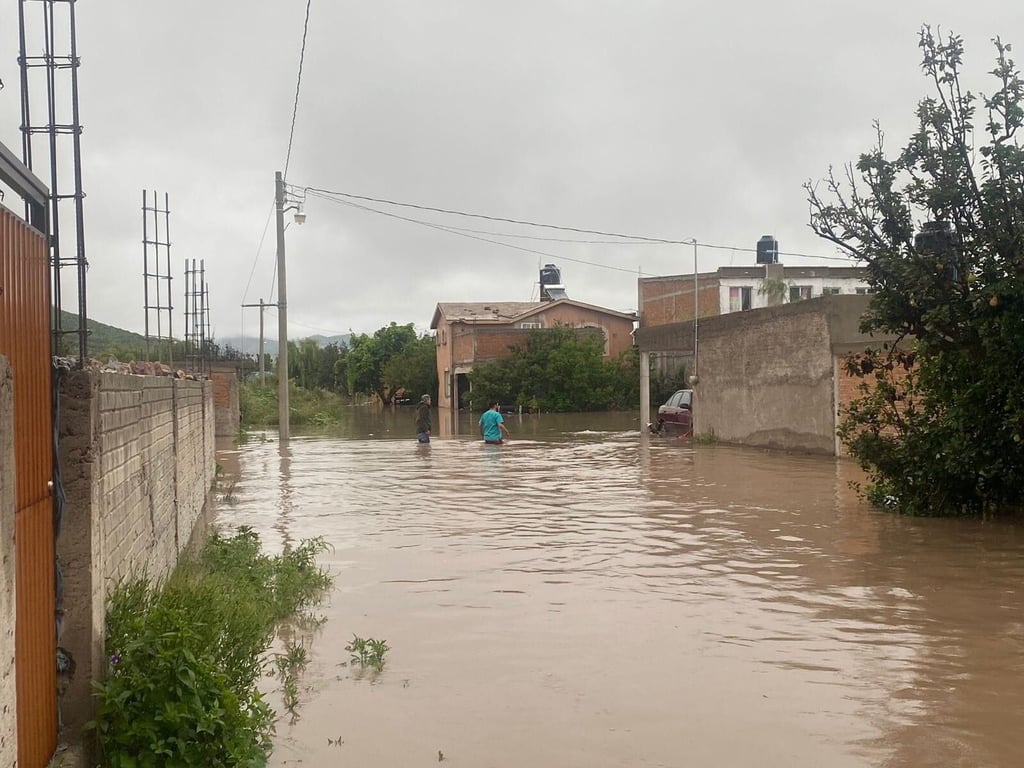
131	368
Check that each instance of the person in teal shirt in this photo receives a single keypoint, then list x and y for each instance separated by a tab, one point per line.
492	426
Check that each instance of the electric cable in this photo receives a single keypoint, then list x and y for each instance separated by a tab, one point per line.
452	231
298	86
625	239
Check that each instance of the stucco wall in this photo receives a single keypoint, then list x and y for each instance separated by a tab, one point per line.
768	378
772	377
8	704
137	459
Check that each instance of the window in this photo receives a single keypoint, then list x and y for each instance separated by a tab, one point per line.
799	292
531	325
740	298
862	291
447	383
830	291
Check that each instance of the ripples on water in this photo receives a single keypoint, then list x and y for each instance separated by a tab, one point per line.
588	595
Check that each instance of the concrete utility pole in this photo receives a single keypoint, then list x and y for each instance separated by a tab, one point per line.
696	310
282	314
263	367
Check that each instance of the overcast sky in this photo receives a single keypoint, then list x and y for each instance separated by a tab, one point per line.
662	119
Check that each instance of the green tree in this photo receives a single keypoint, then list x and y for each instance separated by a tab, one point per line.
940	225
558	369
369	357
414	369
304	363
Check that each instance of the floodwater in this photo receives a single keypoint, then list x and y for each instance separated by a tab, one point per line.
589	595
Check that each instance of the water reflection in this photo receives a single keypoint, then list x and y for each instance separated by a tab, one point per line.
592	595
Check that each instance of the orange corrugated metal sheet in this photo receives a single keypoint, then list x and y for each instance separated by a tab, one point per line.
25	342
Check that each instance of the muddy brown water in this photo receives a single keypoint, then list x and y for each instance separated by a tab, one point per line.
589	595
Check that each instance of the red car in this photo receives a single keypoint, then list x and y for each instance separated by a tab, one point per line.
677	413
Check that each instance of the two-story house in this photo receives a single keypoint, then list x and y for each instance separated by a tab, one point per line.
469	332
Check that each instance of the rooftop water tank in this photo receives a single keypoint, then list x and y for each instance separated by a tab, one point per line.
767	250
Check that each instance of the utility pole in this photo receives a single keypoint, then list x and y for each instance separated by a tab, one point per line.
263	367
696	310
282	313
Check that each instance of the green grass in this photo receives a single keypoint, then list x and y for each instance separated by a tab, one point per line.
315	408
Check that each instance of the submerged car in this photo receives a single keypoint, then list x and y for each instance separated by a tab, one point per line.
676	414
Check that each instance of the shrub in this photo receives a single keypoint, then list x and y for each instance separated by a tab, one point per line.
186	657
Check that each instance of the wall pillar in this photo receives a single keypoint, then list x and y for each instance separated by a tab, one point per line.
645	389
8	692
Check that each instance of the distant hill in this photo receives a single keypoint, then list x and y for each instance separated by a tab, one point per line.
104	340
107	341
250	344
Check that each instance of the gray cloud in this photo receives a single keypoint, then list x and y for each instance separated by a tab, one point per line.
668	119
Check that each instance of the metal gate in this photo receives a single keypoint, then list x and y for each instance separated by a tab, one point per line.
25	342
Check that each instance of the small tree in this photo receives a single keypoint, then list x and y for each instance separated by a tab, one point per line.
940	225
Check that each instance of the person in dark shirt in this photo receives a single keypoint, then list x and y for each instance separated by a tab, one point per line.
423	420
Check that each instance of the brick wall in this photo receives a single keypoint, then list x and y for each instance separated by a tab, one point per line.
848	389
8	703
137	461
665	300
226	403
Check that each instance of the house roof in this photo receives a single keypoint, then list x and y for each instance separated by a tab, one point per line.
505	312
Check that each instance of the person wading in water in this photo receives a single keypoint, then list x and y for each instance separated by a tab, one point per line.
492	426
423	420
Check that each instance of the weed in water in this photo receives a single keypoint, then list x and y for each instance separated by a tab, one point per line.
377	650
369	652
706	438
290	665
357	647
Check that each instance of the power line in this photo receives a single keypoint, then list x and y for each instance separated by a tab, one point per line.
624	239
462	233
259	248
298	85
522	222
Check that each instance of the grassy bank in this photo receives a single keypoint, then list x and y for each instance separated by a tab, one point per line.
186	656
306	407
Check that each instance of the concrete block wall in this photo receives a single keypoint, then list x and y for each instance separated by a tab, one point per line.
8	692
136	475
194	426
137	461
770	380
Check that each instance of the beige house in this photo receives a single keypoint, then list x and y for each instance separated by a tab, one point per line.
481	331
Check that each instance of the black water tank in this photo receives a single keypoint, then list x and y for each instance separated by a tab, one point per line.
550	275
940	238
767	250
935	237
